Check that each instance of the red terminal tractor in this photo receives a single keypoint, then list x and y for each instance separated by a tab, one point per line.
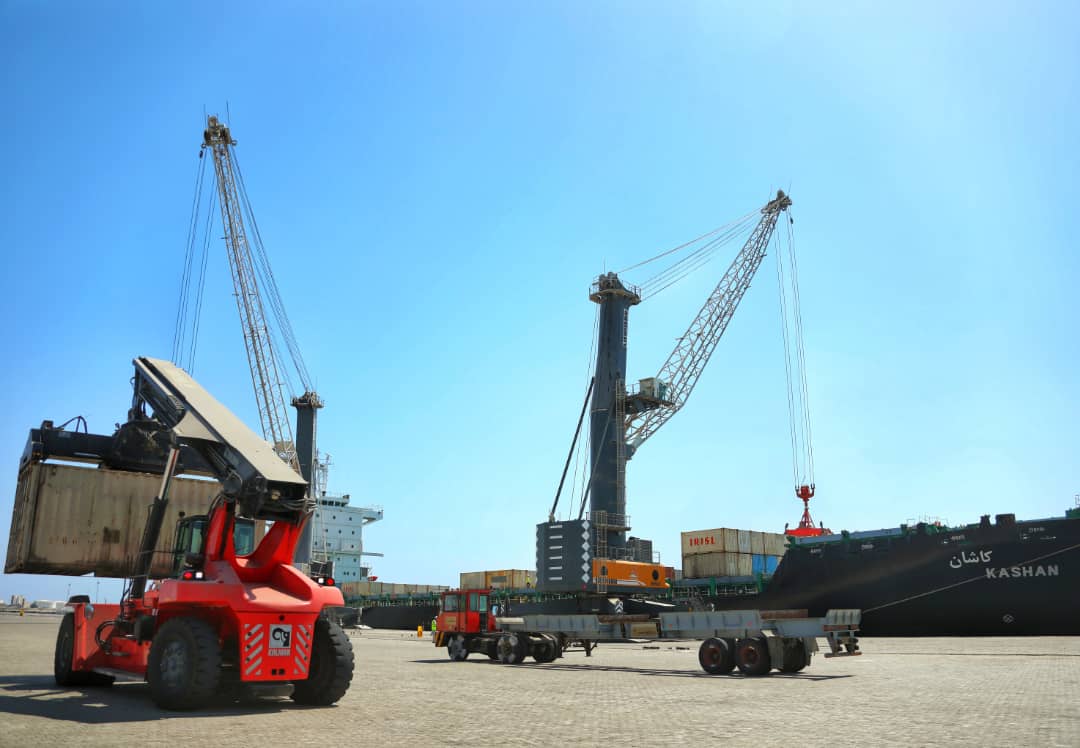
230	619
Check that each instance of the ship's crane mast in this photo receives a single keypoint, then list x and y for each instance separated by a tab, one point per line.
261	310
266	372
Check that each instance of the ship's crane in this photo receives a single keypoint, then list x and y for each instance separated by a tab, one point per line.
255	289
621	420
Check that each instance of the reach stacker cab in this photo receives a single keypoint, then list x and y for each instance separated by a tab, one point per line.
236	614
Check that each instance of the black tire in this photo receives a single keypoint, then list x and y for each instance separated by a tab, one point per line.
64	654
511	648
458	648
492	650
62	657
184	667
716	657
752	656
331	669
546	650
796	656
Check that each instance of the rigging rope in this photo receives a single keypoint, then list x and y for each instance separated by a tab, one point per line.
284	325
582	456
787	361
687	244
180	326
692	262
197	319
798	394
801	349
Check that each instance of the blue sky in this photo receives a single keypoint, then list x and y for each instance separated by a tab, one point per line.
437	185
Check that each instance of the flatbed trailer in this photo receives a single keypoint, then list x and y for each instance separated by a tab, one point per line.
755	642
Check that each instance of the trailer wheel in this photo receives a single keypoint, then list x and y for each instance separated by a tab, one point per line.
716	657
752	656
331	670
511	649
547	649
491	648
796	657
458	648
184	666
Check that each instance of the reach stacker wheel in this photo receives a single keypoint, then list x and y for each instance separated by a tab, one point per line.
716	657
752	656
331	670
511	649
184	667
62	659
457	648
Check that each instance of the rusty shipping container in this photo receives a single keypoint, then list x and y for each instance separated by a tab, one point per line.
709	541
510	579
73	521
727	540
473	580
775	544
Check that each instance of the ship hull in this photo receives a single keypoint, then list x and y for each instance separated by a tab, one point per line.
983	580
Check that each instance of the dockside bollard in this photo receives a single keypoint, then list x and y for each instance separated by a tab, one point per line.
420	632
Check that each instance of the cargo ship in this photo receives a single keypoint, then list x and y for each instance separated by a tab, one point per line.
1005	577
991	578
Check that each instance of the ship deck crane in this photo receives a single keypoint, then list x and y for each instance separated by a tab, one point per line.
621	420
255	289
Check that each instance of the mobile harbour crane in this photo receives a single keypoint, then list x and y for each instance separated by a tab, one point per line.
590	557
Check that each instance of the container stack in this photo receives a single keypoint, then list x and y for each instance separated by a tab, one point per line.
726	552
361	589
503	579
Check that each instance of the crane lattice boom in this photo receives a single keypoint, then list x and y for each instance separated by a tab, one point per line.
683	368
269	387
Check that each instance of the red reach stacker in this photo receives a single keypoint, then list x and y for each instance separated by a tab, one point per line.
228	620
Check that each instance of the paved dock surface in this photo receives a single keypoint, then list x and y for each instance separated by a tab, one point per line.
919	692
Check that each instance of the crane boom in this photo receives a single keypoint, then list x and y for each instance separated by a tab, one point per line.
262	360
685	364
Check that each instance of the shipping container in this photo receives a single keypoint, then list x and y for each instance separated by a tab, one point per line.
757	563
775	543
744	542
72	520
704	565
473	580
771	562
709	541
510	579
757	543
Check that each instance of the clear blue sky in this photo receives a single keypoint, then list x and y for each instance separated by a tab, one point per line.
437	184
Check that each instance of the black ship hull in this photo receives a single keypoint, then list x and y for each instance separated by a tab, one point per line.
1009	578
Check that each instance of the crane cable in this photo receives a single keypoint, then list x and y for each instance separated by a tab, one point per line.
284	325
686	244
696	259
802	462
801	349
584	444
180	326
